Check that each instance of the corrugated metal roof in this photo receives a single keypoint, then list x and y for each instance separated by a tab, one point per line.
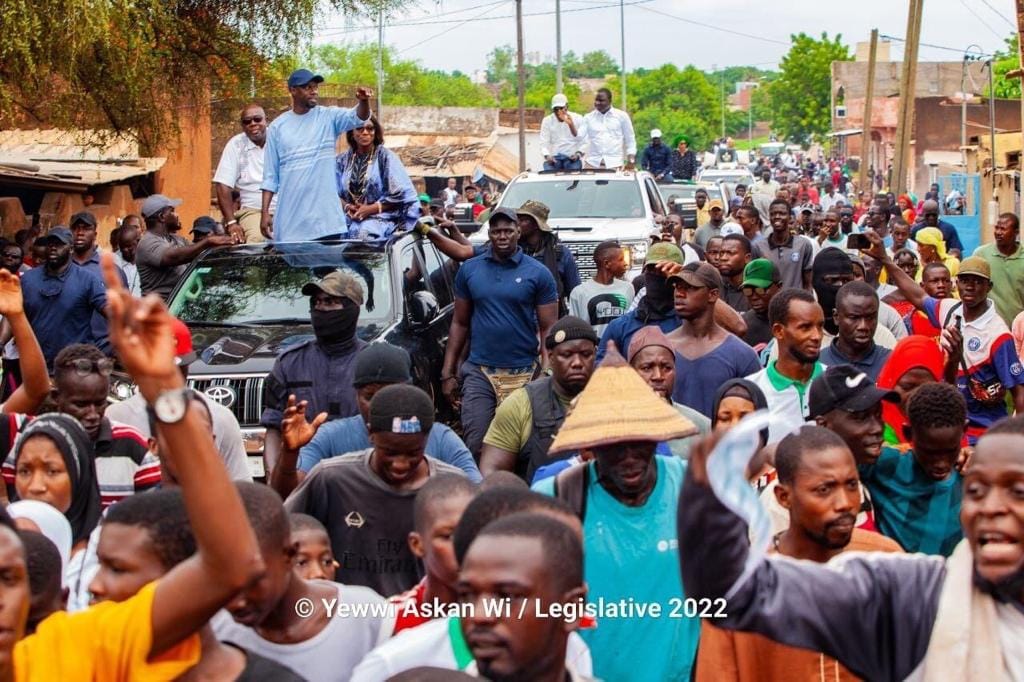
63	159
451	155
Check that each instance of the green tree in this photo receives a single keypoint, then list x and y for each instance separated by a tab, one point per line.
501	64
126	65
597	64
1005	61
800	97
406	82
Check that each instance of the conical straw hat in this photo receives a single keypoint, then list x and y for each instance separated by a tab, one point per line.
617	406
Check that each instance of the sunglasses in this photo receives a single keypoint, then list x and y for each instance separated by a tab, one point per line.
252	119
366	129
760	291
85	367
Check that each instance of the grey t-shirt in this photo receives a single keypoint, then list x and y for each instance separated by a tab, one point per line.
599	304
152	276
367	520
792	258
331	654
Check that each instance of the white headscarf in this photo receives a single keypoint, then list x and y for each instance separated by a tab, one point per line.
51	522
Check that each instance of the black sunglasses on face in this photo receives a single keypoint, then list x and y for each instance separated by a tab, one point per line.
252	119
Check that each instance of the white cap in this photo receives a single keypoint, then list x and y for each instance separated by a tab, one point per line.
655	133
559	100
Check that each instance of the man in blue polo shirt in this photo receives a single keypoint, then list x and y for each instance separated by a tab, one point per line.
64	302
504	301
930	218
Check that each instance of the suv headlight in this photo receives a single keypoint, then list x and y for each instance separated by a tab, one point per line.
635	254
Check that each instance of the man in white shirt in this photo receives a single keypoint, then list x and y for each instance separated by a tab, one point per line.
241	167
127	242
561	138
611	142
450	194
831	198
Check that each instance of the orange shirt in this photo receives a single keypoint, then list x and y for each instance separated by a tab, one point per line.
108	642
730	656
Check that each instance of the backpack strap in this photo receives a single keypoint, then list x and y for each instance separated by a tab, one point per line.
949	315
571	488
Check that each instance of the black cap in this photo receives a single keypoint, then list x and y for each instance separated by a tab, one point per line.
402	409
844	387
504	212
204	224
569	328
381	363
83	217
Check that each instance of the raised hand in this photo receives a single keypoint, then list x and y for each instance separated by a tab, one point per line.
11	302
296	431
364	93
142	335
877	250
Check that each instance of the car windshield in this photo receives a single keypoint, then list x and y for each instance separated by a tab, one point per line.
726	176
580	197
256	288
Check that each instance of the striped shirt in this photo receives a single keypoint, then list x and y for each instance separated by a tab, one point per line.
124	464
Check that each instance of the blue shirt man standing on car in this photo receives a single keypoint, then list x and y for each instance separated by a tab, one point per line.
657	158
319	371
299	162
506	301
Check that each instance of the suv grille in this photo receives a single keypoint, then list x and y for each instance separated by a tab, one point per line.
243	395
583	252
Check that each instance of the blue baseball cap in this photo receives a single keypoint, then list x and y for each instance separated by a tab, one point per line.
59	234
300	77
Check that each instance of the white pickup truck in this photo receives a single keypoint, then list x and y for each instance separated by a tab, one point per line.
590	206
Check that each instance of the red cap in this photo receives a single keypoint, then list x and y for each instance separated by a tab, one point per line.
183	340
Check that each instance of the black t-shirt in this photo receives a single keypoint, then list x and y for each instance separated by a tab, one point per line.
367	520
758	329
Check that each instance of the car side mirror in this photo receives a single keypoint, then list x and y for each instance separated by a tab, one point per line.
422	308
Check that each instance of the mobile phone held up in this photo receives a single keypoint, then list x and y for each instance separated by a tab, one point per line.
858	241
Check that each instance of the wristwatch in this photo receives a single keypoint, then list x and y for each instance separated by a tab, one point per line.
170	406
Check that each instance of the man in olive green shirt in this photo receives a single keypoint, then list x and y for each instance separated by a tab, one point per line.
1005	258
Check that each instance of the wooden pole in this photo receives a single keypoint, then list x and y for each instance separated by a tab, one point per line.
869	98
908	83
521	77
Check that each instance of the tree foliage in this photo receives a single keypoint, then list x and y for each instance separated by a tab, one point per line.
597	64
406	82
124	65
1005	61
801	96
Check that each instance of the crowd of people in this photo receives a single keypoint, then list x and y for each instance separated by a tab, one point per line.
570	523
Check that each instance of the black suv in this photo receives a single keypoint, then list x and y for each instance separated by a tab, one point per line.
244	305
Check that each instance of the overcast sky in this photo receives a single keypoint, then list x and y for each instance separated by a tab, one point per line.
652	38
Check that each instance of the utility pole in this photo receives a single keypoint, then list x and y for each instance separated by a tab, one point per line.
992	113
521	77
721	97
558	46
908	86
622	35
869	100
380	61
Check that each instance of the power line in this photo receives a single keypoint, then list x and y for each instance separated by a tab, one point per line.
979	18
716	28
958	50
449	29
329	28
480	18
999	14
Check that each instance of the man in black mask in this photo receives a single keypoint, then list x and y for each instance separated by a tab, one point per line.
319	372
832	269
657	307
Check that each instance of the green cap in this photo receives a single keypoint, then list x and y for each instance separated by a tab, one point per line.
663	252
760	272
425	198
336	283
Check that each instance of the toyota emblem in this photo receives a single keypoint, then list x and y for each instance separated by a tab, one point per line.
225	395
